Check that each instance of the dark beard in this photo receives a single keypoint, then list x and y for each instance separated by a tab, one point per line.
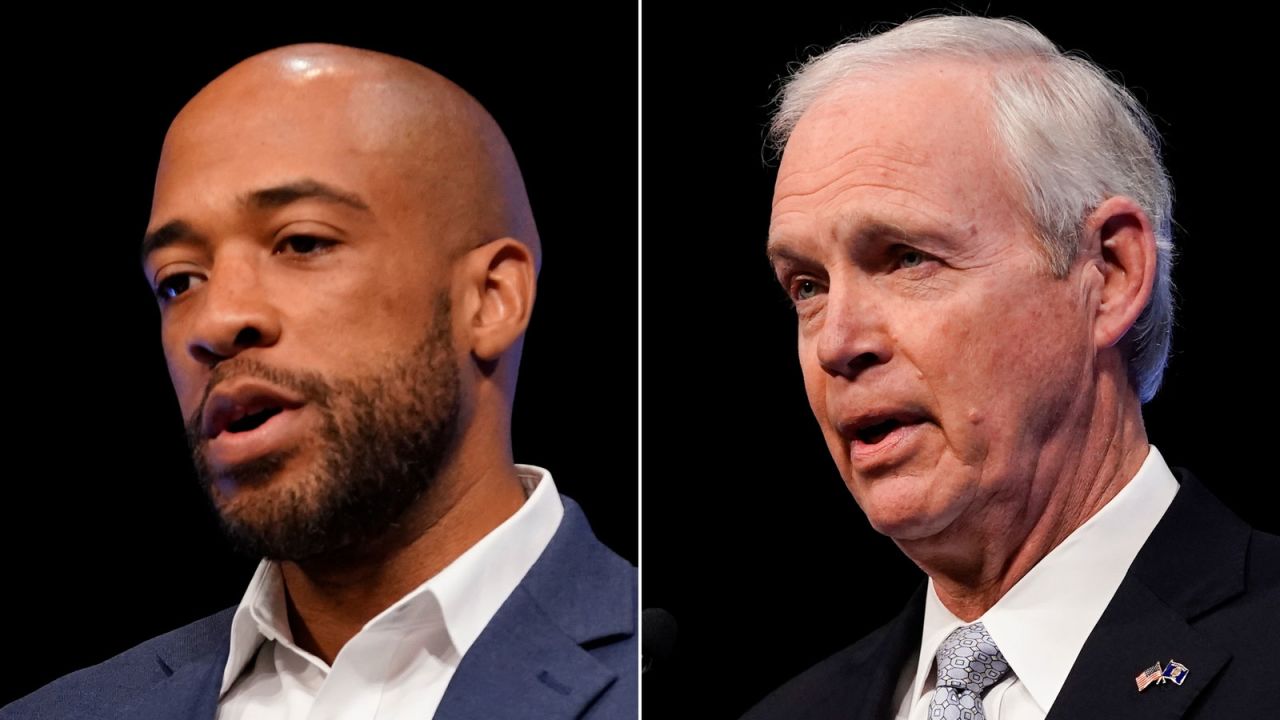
382	442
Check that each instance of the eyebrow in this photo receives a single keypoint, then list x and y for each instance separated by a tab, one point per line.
776	252
776	248
171	233
272	198
281	195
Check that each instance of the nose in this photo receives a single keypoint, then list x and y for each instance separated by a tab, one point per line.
853	335
234	313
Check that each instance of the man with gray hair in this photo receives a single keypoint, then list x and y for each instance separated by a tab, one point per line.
974	229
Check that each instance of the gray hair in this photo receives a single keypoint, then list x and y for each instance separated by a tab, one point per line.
1073	138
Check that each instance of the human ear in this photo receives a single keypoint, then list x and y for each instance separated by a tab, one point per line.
500	283
1121	235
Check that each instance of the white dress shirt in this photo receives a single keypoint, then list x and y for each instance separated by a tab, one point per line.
1045	618
399	664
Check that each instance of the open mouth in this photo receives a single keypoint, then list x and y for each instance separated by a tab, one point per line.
253	420
873	434
885	438
258	432
243	407
248	419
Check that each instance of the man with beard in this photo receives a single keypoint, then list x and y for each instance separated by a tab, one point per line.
345	262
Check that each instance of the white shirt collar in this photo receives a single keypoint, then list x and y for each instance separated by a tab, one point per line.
465	595
1045	618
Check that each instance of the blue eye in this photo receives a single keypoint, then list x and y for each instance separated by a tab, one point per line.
910	259
803	288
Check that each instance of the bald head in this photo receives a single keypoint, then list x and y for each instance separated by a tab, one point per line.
415	128
318	193
341	238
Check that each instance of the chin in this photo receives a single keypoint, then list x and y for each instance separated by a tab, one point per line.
263	507
280	521
267	498
227	486
900	508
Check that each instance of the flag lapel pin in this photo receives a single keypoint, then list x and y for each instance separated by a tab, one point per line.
1174	672
1148	676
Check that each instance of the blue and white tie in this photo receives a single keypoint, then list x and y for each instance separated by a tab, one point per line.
969	663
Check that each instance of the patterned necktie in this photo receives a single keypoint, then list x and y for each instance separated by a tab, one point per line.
969	663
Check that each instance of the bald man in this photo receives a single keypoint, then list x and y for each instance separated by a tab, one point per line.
345	262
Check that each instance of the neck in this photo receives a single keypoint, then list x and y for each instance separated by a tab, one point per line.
972	567
330	599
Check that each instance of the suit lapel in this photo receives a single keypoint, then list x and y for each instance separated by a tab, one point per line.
856	683
523	666
900	643
1193	562
189	676
531	660
190	693
1137	631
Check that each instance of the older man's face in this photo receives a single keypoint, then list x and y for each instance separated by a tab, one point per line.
938	353
305	317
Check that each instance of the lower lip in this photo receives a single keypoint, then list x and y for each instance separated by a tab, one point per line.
897	443
232	448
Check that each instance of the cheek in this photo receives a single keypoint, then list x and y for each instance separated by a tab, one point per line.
342	301
948	355
353	319
815	386
815	382
400	292
1039	351
186	375
1015	369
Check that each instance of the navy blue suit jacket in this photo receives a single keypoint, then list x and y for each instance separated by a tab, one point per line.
563	645
1204	590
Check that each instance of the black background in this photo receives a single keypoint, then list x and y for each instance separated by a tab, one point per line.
107	538
750	538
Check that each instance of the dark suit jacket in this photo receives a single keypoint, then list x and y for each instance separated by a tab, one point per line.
563	645
1204	590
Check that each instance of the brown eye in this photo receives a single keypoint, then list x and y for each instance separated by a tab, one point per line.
173	286
305	244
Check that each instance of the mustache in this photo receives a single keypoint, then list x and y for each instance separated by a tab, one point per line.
311	386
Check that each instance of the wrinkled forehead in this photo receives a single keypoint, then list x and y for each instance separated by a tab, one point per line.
921	136
930	112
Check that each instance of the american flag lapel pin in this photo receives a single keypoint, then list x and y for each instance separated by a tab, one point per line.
1148	676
